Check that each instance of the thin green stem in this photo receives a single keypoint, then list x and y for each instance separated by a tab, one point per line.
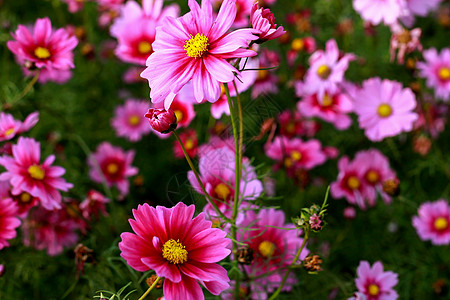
197	176
150	288
27	89
277	292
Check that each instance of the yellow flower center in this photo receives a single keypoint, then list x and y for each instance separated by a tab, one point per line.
42	53
290	127
288	162
112	168
9	131
174	252
324	71
196	46
262	74
296	156
222	191
444	73
144	47
384	110
266	248
297	44
373	289
441	223
372	176
134	120
25	197
327	100
179	115
189	144
36	172
353	182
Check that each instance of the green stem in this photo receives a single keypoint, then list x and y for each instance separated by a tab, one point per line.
277	292
191	165
27	89
150	288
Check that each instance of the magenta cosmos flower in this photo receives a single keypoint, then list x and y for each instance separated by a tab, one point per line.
129	121
44	47
113	165
263	20
26	174
422	8
384	108
183	249
375	12
8	221
196	47
9	127
433	222
436	70
374	283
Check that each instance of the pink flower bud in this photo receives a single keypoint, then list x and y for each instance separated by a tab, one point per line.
161	120
264	21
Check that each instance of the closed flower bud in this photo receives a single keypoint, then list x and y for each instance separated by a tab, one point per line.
264	21
161	120
392	187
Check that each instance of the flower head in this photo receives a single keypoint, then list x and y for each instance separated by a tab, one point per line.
433	222
8	221
436	70
375	12
374	283
264	21
129	120
180	248
9	127
161	120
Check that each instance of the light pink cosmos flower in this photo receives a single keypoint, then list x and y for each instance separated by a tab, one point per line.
74	5
422	8
332	108
273	248
93	205
433	222
374	283
217	173
8	221
263	20
44	47
436	70
182	249
129	121
406	41
326	70
9	127
384	108
112	165
195	47
375	12
26	174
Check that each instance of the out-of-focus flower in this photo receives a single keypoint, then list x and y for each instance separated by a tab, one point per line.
129	121
375	12
195	47
2	270
183	109
433	222
9	221
26	174
266	81
293	124
24	200
161	120
432	117
112	165
349	212
50	75
436	70
133	75
183	249
190	142
93	205
406	41
243	9
384	108
44	47
374	283
422	8
74	5
422	144
109	10
262	19
9	127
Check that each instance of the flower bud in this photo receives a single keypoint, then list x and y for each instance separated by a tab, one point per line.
264	21
245	256
161	120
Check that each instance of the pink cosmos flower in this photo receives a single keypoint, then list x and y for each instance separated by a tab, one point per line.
129	121
183	249
422	8
375	12
183	109
24	201
133	75
406	41
384	108
333	108
190	141
112	165
195	47
374	283
93	205
433	222
109	10
436	70
44	47
53	230
326	70
8	221
9	127
266	80
50	75
217	173
26	174
293	124
264	21
74	5
272	246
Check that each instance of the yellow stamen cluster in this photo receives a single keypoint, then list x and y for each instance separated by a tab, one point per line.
179	115
196	46
298	44
112	168
189	144
441	223
134	120
9	131
384	110
327	100
372	176
324	71
222	191
174	252
42	53
144	47
25	197
444	73
373	290
296	156
266	249
353	182
36	172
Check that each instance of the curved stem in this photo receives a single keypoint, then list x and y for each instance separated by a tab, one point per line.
197	176
27	89
150	288
277	292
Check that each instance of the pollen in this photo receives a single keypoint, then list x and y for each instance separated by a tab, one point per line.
133	120
444	73
42	53
296	156
112	168
373	290
298	44
441	223
9	131
384	110
174	252
25	197
144	47
324	71
327	100
179	115
372	176
353	182
189	144
36	172
196	46
222	191
266	249
263	74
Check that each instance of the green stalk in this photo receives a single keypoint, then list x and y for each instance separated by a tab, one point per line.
150	288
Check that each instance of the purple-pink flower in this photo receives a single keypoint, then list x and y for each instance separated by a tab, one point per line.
26	174
375	12
8	221
436	70
422	8
182	249
263	20
129	121
433	222
196	47
375	283
384	108
10	127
